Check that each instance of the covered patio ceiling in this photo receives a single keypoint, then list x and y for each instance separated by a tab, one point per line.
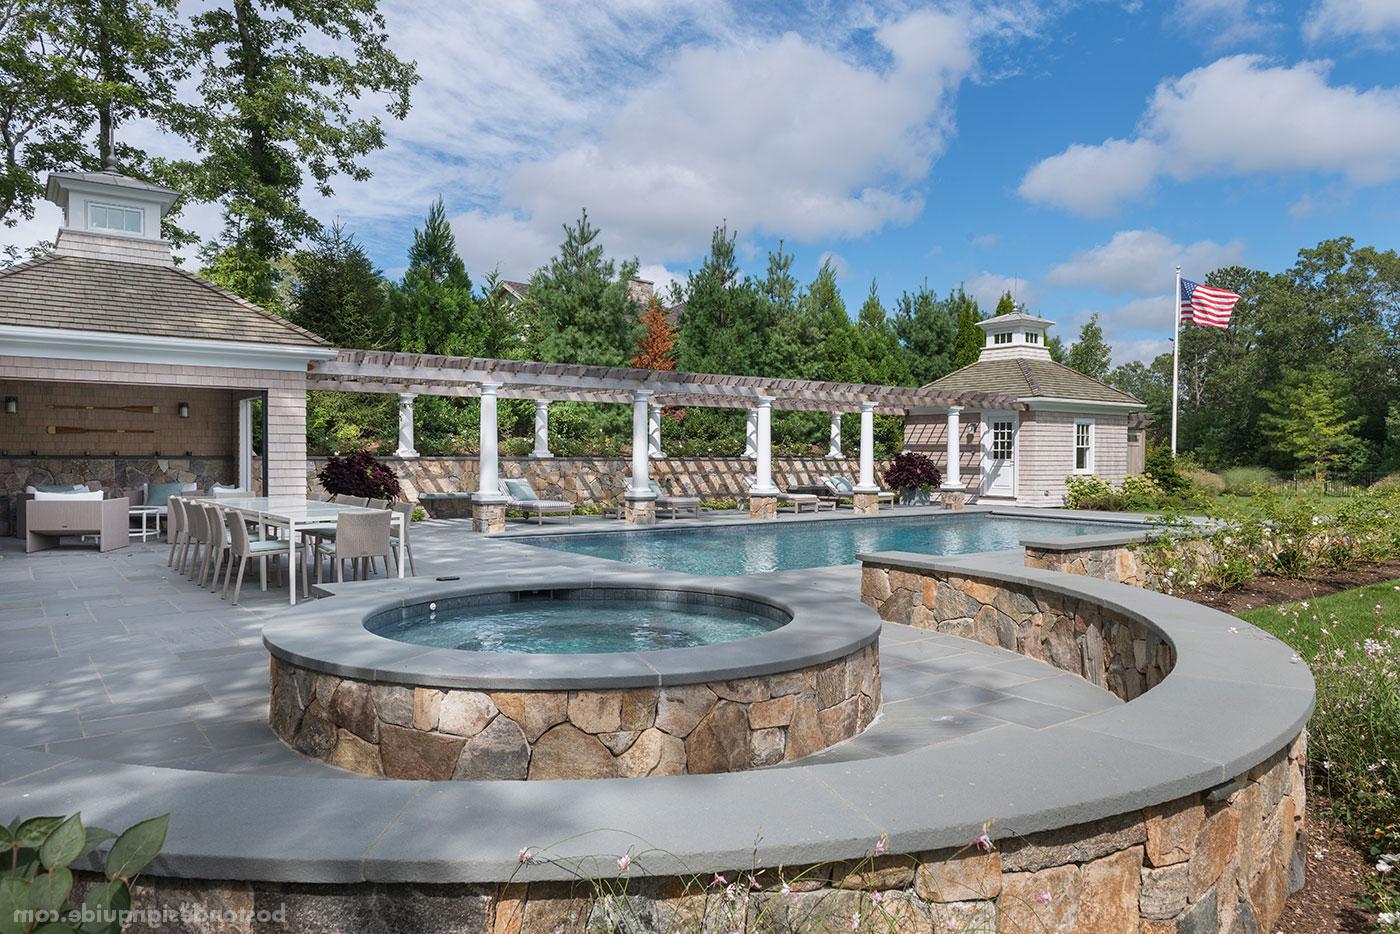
373	371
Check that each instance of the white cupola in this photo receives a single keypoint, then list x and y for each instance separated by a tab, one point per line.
108	215
1015	335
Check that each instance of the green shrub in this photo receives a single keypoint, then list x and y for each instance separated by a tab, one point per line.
37	881
719	504
1246	481
1165	468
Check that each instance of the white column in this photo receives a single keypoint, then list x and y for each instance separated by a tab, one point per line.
488	486
835	450
541	429
952	477
867	449
245	445
641	463
751	434
763	448
654	432
406	448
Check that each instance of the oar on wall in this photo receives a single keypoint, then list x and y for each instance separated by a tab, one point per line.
74	430
139	409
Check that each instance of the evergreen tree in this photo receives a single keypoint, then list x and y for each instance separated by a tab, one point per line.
336	292
507	331
878	344
1307	421
433	310
585	309
928	332
970	338
1056	346
779	285
727	321
1005	305
817	340
656	350
1091	354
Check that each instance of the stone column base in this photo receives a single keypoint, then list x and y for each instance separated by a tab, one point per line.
953	499
865	504
639	512
763	507
488	517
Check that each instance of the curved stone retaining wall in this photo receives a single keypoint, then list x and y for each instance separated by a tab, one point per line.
406	732
1105	648
1222	861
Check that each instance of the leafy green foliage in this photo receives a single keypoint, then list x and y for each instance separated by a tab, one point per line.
970	338
927	329
336	292
584	303
36	880
1161	465
1307	420
1091	354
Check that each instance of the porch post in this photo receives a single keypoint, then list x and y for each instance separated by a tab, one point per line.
406	448
953	491
245	445
654	432
541	429
639	503
488	505
751	434
763	495
835	450
866	500
952	477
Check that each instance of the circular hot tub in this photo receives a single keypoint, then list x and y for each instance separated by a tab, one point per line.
603	677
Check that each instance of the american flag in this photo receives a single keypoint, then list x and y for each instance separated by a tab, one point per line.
1206	306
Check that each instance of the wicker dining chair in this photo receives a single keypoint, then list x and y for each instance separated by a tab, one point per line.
345	500
242	548
196	539
176	526
360	537
405	510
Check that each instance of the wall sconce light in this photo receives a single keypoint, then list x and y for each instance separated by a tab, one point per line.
183	410
11	404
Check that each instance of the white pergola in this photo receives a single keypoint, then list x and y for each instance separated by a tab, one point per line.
647	391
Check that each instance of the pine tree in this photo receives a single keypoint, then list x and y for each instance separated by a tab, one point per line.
1005	305
727	323
336	292
879	345
656	349
970	338
1091	354
928	332
433	310
585	309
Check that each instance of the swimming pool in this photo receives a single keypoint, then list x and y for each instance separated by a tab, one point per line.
726	551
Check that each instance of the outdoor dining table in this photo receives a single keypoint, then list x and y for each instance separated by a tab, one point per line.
297	515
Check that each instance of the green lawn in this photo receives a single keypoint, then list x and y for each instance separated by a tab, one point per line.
1252	505
1348	616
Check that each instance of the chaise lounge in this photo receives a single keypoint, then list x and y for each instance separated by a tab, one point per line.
796	500
842	488
664	500
523	497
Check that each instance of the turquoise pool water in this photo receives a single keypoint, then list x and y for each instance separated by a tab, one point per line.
541	625
726	551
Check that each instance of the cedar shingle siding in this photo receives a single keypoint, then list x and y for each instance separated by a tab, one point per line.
85	294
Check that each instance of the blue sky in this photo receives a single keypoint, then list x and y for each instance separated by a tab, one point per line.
1075	149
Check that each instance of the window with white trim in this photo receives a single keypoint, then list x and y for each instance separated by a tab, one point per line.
1083	445
1003	338
1032	337
114	217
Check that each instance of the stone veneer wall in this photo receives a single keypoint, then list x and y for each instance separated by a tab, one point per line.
1200	864
602	479
1118	654
1122	564
423	733
1222	861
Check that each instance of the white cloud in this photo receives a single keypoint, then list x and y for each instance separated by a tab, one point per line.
838	264
1220	23
984	240
988	287
1340	19
1141	261
1137	330
1236	116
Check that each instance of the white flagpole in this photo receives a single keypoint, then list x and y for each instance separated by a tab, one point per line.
1176	351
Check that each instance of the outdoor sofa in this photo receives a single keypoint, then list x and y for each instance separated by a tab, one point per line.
49	516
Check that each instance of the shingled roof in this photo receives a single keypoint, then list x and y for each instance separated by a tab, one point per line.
85	294
1028	379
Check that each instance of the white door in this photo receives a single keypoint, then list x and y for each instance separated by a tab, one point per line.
999	454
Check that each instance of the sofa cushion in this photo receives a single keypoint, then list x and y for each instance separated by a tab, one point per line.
43	495
56	488
158	494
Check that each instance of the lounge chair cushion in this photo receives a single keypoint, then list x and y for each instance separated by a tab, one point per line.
521	490
840	484
544	505
799	497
